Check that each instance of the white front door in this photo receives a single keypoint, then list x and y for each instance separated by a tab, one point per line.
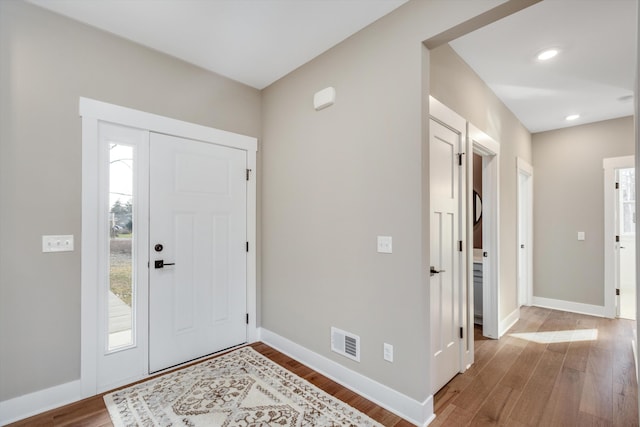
197	249
444	146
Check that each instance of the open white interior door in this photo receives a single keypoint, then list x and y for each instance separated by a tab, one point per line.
445	146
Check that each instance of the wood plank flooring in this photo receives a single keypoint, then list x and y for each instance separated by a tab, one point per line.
551	369
92	412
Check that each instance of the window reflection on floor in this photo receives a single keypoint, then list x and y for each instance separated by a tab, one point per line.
558	336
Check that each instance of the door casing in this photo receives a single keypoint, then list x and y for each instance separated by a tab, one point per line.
93	113
480	143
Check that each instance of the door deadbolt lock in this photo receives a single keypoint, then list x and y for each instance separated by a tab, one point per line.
159	263
158	247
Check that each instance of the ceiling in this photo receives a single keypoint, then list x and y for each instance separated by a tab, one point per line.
257	42
593	75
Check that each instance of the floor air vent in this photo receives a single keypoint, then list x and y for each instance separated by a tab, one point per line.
345	344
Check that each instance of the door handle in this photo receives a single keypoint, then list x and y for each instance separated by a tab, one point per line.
433	271
159	263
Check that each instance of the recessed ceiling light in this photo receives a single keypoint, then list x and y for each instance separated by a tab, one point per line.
547	54
572	117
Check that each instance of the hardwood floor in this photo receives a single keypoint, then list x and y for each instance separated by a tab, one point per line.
551	369
540	373
93	413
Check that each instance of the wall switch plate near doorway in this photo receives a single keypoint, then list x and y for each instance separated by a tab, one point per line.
388	352
61	243
385	244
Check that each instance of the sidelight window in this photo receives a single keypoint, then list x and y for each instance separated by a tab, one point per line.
121	289
626	179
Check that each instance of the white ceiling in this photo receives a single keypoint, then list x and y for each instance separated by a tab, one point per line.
595	67
255	42
259	41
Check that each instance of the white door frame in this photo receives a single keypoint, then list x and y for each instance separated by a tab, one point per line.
525	287
479	142
489	149
93	112
610	246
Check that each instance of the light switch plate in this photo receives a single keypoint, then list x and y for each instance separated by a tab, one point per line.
581	235
388	352
61	243
385	244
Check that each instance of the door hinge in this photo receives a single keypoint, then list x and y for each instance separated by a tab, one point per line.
247	318
460	158
617	291
617	238
617	185
247	246
459	245
248	174
461	333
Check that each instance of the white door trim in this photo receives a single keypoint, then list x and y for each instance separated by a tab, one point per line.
524	168
93	112
489	149
610	250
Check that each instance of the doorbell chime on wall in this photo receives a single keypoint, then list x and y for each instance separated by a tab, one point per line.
325	98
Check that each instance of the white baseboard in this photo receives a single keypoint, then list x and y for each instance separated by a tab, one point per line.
508	322
573	307
34	403
419	413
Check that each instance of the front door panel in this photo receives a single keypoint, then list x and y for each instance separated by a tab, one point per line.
197	249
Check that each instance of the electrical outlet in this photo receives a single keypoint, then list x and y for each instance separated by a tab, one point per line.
388	352
385	244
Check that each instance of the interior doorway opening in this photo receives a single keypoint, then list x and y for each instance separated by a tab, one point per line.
477	241
483	237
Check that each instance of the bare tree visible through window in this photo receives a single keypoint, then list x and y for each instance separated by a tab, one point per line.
121	277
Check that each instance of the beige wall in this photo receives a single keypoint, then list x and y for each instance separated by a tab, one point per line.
46	63
569	197
335	179
456	85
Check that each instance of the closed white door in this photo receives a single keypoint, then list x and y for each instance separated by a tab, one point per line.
524	236
197	244
445	144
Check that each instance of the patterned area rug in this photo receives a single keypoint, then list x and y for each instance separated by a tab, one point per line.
241	388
